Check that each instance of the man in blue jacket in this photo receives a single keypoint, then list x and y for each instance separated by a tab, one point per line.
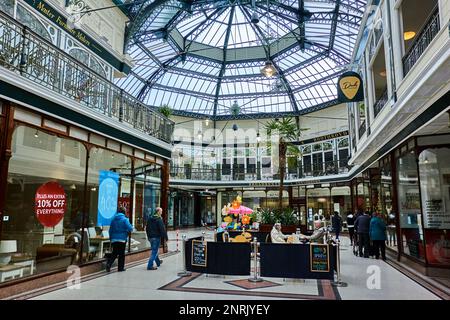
118	234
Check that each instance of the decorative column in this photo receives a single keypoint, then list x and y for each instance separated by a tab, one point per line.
165	176
132	199
6	131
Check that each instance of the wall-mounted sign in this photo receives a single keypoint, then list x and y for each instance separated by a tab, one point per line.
323	138
58	19
350	87
263	184
50	204
108	194
199	253
320	258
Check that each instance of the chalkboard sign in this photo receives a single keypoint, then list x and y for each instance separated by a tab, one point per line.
198	253
320	258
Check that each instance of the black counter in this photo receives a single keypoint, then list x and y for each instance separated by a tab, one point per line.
292	261
222	258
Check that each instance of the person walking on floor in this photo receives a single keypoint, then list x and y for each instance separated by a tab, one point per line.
377	231
336	224
351	227
362	225
155	231
118	234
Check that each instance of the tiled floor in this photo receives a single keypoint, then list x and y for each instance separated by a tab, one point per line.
138	283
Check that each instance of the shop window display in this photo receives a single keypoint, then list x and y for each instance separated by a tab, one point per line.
318	204
147	177
387	213
272	200
410	213
40	159
341	201
363	200
109	186
434	167
208	209
254	199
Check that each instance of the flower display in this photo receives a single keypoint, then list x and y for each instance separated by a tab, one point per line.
245	219
236	216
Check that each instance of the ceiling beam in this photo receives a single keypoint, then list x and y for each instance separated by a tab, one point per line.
258	30
224	61
334	24
140	18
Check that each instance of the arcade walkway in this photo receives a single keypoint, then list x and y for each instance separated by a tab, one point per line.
138	283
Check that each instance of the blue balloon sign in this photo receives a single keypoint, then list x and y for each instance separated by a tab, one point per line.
108	194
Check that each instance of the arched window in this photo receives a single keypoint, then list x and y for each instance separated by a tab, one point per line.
35	24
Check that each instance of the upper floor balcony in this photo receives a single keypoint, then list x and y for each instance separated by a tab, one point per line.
428	32
258	173
28	55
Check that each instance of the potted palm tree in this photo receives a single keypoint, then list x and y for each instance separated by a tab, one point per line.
288	132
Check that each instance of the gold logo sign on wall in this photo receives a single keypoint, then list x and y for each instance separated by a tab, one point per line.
350	87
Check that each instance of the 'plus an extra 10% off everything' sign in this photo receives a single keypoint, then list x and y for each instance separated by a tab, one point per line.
50	204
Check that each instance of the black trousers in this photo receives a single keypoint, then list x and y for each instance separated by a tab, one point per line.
380	245
351	233
364	243
118	251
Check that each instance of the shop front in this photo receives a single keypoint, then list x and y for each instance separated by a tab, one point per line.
410	188
62	186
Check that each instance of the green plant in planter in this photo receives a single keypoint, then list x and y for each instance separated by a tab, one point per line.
289	217
253	217
165	110
277	216
267	217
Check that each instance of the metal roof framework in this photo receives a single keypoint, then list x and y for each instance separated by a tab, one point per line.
201	57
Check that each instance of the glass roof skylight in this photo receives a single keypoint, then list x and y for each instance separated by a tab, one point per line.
199	57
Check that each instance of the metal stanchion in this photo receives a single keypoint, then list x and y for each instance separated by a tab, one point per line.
184	273
256	277
338	282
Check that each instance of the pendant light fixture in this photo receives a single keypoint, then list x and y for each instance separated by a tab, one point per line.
255	17
258	136
269	69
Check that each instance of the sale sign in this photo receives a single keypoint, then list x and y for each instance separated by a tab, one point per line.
50	204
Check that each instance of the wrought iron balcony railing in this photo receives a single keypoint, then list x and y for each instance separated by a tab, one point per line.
33	57
423	40
236	173
381	102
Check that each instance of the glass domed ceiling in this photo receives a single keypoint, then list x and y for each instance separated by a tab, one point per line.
203	57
